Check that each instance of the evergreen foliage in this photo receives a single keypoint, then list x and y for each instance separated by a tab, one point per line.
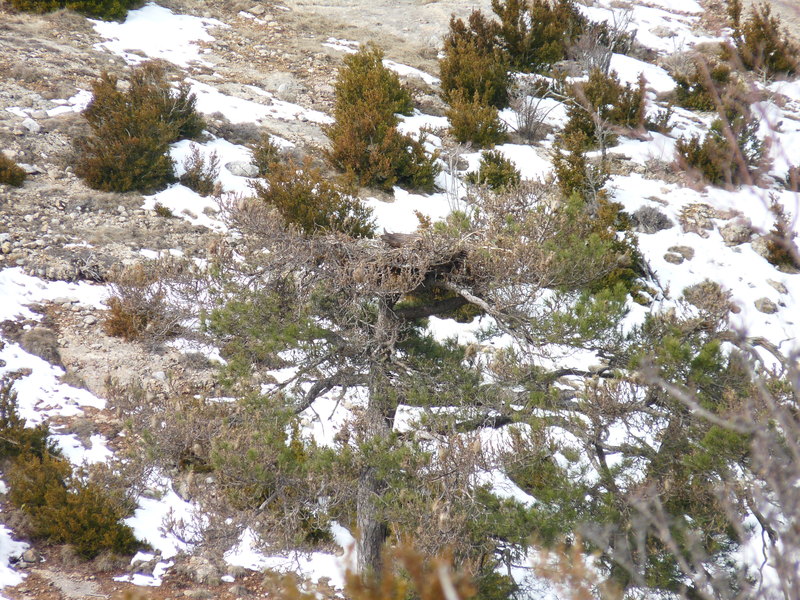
200	173
265	154
15	438
730	154
761	42
10	172
602	107
132	130
536	34
475	122
67	510
495	171
62	508
312	202
101	9
365	142
474	65
697	88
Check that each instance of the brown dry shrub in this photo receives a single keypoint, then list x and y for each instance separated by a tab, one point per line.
10	172
200	173
139	307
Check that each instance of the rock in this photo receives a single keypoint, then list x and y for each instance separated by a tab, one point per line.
736	232
696	218
30	556
241	168
687	252
760	246
5	237
674	259
42	342
5	247
257	10
240	591
62	300
31	125
199	594
765	305
202	570
90	320
778	286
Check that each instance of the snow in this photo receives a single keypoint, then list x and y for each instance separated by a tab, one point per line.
406	71
157	32
238	110
9	549
74	104
187	204
628	70
398	216
73	449
150	519
313	565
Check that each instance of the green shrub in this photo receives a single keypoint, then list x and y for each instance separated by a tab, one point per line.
15	438
10	172
200	174
576	175
473	64
536	34
782	250
265	153
495	171
697	86
102	9
65	510
761	43
475	122
312	202
730	155
365	142
602	107
132	130
363	72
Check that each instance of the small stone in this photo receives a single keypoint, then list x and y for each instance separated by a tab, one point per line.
674	259
89	320
687	252
31	125
736	232
30	556
766	306
778	286
198	594
28	218
62	300
160	375
760	246
4	237
5	247
242	168
257	10
240	591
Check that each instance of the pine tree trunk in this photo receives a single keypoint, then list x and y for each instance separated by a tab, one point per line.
371	527
379	421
